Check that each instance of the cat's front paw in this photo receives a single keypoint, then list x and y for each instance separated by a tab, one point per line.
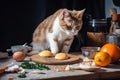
54	51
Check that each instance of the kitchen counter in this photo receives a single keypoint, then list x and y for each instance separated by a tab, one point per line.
111	72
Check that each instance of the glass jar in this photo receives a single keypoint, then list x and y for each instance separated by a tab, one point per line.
98	25
113	38
96	32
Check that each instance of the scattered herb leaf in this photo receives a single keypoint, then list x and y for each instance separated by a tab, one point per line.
27	65
21	75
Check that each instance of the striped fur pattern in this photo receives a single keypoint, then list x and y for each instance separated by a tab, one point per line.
57	31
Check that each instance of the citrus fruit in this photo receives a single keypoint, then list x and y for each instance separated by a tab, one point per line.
113	50
102	59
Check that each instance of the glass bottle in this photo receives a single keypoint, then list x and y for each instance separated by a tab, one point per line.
114	34
114	25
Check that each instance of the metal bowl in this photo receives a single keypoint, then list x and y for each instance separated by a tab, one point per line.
24	48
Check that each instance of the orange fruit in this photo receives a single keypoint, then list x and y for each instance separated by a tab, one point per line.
113	50
102	59
18	56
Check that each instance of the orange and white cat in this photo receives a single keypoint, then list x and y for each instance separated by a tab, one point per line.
57	32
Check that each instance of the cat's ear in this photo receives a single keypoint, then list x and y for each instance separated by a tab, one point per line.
80	14
64	13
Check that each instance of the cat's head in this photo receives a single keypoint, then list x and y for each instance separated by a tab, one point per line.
71	21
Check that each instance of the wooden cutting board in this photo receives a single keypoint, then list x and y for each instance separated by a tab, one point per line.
51	60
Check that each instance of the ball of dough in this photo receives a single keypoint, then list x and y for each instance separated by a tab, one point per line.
61	56
46	53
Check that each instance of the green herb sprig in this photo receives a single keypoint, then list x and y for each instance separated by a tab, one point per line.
22	75
27	65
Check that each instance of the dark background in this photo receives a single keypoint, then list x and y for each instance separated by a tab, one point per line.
19	18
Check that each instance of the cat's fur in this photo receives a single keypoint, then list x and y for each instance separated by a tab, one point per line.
57	32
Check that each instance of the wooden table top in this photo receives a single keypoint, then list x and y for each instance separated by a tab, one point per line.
110	72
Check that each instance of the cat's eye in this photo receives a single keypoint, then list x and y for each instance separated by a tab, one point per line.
77	28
